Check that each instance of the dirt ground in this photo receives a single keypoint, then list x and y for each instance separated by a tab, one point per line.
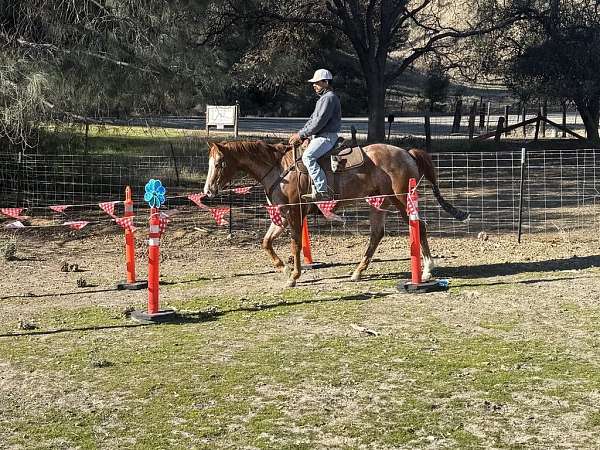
236	266
544	291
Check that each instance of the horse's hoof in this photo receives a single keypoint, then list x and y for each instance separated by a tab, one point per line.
355	276
426	276
291	283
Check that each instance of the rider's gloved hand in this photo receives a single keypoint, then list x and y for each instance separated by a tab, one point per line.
295	139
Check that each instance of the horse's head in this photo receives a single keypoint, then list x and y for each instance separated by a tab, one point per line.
221	168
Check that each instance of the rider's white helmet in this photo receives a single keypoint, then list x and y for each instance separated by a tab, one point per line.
321	74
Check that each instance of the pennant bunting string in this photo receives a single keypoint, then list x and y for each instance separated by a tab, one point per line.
58	208
375	202
125	222
218	214
327	208
275	214
12	212
76	225
197	199
242	190
108	208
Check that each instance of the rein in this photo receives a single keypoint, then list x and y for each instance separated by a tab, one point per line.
281	176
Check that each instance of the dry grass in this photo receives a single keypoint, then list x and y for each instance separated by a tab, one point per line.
508	357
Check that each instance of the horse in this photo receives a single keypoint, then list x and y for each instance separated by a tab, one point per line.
385	172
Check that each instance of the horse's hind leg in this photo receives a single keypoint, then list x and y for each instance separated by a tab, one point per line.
428	263
427	259
273	233
377	228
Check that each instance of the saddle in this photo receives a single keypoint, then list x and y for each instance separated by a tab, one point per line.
339	159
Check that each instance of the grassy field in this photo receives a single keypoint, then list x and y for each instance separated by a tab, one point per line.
135	140
507	358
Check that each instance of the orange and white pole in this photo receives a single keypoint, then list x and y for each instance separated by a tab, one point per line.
129	239
130	283
416	285
155	196
412	209
153	261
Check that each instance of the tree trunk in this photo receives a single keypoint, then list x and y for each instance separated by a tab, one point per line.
590	114
376	102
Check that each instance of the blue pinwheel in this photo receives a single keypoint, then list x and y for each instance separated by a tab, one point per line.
155	193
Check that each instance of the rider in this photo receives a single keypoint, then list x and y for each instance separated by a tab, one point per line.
324	125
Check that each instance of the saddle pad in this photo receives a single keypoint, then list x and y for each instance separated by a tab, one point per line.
348	158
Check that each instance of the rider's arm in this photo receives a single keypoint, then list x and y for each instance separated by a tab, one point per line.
323	112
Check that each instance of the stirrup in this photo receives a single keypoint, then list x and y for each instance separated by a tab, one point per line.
318	196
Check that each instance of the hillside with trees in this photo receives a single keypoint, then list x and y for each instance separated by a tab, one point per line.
63	61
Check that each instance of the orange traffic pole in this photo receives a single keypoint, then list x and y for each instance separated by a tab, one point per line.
153	261
129	239
416	284
155	196
131	283
412	207
306	243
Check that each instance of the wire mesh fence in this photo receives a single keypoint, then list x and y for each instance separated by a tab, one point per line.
559	191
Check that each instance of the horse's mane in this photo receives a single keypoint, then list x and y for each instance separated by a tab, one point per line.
262	150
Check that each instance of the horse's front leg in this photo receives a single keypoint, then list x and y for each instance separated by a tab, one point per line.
273	233
377	229
296	230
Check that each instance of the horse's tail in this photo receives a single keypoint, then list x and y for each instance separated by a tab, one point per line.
426	169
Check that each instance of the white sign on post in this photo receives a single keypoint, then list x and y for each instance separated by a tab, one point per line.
222	116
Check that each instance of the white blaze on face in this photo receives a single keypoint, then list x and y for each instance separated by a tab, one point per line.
210	176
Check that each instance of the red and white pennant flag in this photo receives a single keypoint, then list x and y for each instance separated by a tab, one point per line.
125	222
412	203
197	199
58	208
108	208
327	210
165	218
76	225
242	190
162	224
218	214
275	214
15	213
15	224
375	202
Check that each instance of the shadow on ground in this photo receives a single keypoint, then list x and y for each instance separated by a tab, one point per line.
503	269
187	317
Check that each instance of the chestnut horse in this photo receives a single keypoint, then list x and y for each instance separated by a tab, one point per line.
386	171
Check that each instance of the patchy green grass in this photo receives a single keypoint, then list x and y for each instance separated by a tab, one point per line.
501	360
290	375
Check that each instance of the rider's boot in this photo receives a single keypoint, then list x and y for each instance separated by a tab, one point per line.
318	196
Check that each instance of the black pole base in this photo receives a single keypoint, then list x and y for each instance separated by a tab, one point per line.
136	286
422	288
163	315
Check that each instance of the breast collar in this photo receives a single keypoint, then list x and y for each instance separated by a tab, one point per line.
279	178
